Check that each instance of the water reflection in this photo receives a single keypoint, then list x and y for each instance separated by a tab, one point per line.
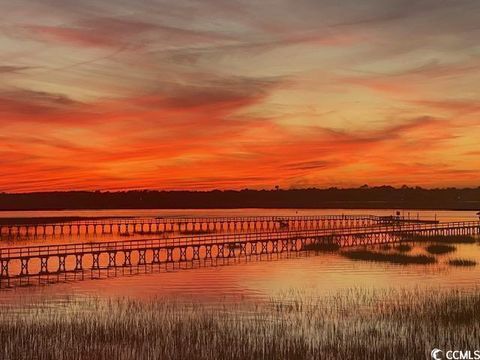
313	273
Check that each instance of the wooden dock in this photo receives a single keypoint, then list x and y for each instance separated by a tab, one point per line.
27	261
154	225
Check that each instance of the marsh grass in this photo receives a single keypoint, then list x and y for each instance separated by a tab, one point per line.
451	239
329	247
440	249
352	324
462	262
404	248
393	258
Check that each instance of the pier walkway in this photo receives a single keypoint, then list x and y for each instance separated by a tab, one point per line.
48	259
14	228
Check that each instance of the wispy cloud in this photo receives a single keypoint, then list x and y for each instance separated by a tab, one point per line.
222	94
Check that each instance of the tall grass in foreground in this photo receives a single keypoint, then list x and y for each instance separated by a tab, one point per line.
354	324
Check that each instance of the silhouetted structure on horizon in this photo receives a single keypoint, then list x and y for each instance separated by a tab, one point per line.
365	197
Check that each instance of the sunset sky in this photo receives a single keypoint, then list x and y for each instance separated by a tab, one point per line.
111	95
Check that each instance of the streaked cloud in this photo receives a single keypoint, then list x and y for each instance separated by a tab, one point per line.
233	94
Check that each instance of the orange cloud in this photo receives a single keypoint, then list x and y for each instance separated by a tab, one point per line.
99	95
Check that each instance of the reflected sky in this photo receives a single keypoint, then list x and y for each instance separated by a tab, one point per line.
261	278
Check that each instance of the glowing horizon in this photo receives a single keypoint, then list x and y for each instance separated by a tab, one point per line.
98	95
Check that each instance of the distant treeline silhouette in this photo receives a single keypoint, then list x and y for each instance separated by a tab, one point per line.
363	197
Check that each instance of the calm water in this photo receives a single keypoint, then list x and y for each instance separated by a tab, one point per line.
310	273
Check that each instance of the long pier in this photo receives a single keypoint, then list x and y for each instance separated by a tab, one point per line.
77	257
157	225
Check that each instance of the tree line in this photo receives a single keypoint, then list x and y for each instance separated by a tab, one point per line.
380	197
